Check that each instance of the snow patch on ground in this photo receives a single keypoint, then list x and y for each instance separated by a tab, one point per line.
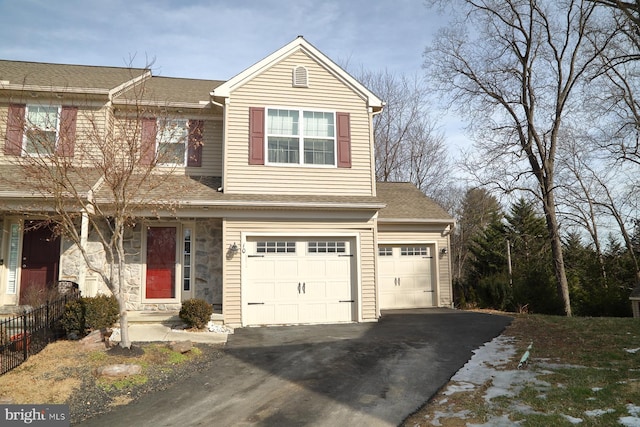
483	369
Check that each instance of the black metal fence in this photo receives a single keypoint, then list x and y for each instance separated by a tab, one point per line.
29	333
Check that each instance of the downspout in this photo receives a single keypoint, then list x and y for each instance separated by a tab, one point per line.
373	113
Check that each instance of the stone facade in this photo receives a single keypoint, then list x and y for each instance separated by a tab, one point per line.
207	283
208	265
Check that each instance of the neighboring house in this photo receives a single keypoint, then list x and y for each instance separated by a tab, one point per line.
278	218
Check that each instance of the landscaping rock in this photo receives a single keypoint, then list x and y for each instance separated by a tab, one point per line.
181	346
119	370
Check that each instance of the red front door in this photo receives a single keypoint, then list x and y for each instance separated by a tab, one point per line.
161	262
40	259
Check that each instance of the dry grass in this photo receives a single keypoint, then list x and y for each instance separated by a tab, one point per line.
44	377
64	367
590	354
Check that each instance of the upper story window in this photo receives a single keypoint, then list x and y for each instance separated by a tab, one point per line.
172	139
171	142
40	130
42	125
301	137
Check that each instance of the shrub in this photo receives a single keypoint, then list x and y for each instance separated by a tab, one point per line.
89	313
73	318
196	313
102	312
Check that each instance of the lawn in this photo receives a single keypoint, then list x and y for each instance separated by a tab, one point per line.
580	371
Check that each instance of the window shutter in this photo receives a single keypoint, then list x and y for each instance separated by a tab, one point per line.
194	151
67	139
344	140
256	136
148	141
15	130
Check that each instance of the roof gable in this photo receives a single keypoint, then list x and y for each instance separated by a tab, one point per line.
299	44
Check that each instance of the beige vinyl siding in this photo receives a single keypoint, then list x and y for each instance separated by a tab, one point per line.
211	150
326	92
232	232
412	234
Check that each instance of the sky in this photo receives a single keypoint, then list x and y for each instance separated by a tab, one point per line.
217	39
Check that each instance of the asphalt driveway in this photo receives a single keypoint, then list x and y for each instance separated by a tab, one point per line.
371	374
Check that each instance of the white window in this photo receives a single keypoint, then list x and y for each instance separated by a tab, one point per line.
172	138
42	127
275	247
186	261
326	247
301	137
414	251
385	251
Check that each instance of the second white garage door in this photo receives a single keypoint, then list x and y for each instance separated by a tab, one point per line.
406	276
289	281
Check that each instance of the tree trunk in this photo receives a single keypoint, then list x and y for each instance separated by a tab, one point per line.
556	251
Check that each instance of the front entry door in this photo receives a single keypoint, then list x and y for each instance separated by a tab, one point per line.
161	262
40	259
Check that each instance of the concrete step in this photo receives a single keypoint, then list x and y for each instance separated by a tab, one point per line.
169	318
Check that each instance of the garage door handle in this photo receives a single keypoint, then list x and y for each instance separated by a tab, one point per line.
304	285
346	300
298	287
255	303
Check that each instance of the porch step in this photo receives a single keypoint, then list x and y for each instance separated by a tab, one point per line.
169	318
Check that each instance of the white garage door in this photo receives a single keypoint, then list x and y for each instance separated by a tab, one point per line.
290	281
405	276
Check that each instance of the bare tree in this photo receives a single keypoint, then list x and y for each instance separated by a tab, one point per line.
514	73
94	182
408	145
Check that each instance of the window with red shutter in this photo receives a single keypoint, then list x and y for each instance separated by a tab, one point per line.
256	136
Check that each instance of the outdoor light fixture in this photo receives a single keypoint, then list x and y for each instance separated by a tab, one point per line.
443	251
233	248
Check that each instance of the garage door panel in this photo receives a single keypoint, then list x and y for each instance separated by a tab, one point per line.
301	285
405	276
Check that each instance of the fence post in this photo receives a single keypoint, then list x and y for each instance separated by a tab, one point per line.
25	353
48	330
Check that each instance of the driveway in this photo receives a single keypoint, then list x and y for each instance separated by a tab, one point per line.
368	374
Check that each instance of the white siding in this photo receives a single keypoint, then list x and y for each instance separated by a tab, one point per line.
274	88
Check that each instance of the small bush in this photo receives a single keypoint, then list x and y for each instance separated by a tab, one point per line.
87	314
196	313
102	312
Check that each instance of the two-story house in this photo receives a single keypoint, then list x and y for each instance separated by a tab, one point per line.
276	216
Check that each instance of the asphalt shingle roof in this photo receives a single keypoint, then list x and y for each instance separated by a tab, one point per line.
405	201
64	75
168	90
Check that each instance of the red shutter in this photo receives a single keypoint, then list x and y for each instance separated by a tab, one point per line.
256	136
194	152
148	143
15	130
67	140
344	140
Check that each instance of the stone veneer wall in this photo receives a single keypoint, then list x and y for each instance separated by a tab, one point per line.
208	261
208	266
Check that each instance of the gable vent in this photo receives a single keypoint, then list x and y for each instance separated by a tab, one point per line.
300	77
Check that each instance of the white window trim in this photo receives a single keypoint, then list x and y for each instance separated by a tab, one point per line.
27	126
160	141
300	137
